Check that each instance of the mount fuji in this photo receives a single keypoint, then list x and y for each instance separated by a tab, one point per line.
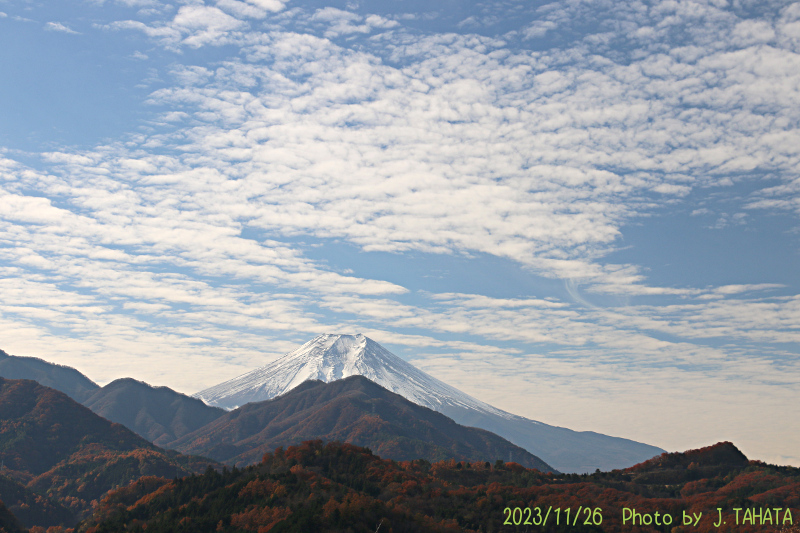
332	357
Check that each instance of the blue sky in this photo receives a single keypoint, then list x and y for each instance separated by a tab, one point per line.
583	212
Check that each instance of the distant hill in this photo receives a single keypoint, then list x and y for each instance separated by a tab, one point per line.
669	468
353	410
334	487
723	454
40	426
62	378
54	446
158	414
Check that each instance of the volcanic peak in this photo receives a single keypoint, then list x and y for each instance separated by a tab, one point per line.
331	357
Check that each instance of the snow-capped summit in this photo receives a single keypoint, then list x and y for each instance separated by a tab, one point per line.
330	357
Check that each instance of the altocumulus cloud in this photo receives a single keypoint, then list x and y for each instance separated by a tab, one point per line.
536	144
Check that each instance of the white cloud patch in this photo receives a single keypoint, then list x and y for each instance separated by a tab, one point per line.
193	26
751	32
377	21
59	27
538	29
725	220
203	24
736	289
138	3
257	9
340	22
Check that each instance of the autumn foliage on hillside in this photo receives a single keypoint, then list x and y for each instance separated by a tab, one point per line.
59	458
354	410
341	487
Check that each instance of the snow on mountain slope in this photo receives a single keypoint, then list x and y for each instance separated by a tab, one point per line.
331	357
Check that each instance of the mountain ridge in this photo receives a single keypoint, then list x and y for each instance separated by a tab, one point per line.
562	448
60	377
329	357
158	414
354	410
52	447
333	487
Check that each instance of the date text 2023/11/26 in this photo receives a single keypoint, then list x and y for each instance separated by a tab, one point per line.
587	516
